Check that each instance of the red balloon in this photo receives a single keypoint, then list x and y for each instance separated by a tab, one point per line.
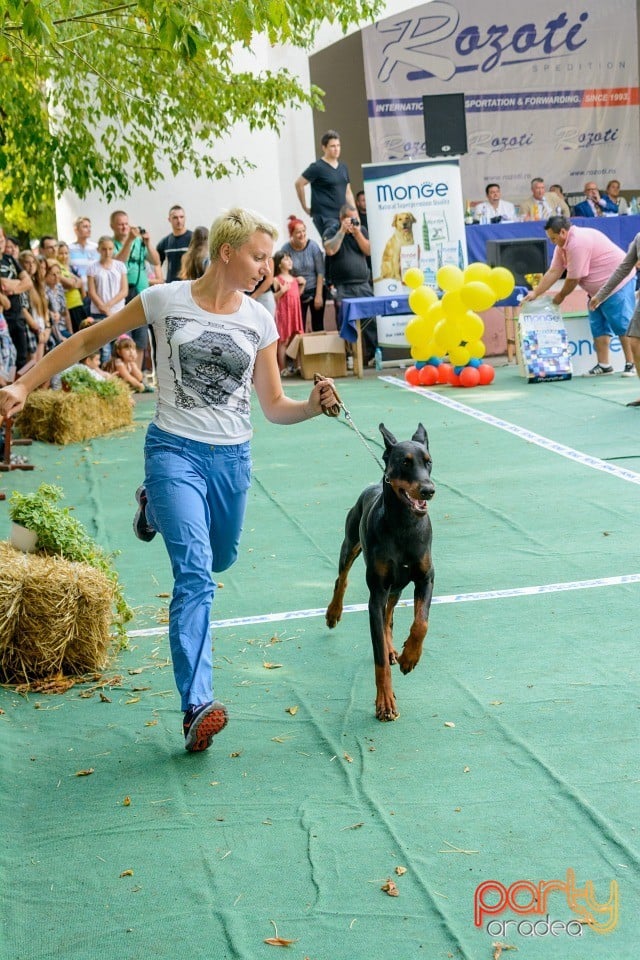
411	376
454	378
486	374
443	372
428	375
470	377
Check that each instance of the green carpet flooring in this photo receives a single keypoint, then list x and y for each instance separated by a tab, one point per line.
514	760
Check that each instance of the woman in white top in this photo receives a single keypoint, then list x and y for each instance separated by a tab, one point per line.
212	344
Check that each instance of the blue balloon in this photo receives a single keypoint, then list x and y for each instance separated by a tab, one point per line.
474	362
458	370
434	361
419	364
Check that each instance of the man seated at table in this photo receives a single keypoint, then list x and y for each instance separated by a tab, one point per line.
594	204
494	209
542	204
613	193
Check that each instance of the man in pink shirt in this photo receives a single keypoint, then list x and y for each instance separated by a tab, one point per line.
590	258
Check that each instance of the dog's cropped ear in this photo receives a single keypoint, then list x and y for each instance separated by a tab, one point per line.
420	436
389	439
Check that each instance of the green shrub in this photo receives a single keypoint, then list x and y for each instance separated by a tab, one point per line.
61	534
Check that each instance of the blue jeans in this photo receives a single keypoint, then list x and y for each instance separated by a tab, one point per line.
197	494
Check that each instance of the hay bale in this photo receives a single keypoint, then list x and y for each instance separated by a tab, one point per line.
57	416
54	616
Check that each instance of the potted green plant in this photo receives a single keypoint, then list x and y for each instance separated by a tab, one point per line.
58	533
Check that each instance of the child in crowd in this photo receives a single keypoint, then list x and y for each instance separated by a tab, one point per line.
287	290
125	365
195	260
108	287
73	287
58	313
7	349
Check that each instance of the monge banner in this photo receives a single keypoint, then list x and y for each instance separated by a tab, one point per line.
415	219
551	89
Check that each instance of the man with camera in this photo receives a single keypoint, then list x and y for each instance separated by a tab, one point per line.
347	245
133	247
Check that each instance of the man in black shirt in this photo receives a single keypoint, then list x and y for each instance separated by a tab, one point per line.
173	247
14	281
330	186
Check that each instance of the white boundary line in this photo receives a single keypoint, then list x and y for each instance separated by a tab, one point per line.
576	455
447	598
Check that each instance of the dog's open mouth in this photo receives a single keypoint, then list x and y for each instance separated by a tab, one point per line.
417	506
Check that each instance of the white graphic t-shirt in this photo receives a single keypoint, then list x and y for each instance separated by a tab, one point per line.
204	363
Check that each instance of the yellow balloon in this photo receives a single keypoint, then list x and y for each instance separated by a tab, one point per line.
440	334
471	326
476	349
477	271
501	282
449	277
452	304
414	329
428	326
477	295
421	299
413	277
450	336
435	313
423	349
459	356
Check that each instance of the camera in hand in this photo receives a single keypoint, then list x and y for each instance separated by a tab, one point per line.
355	222
142	229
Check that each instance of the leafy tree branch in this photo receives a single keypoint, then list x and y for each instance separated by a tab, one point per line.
100	97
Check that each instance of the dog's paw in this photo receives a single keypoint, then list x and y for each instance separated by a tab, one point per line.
333	615
386	708
410	656
386	714
406	663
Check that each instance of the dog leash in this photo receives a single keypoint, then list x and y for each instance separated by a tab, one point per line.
334	411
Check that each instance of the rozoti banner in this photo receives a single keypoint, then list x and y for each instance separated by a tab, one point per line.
415	219
547	86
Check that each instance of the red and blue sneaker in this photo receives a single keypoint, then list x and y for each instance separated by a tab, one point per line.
201	724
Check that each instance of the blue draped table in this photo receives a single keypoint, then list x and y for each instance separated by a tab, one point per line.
354	309
621	230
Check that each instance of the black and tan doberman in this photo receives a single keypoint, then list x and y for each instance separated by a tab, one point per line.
390	526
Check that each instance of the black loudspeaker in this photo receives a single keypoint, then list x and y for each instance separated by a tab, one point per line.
445	125
518	256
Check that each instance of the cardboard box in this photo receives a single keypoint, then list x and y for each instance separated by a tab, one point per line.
319	353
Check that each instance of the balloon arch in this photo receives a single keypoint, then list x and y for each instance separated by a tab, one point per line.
450	327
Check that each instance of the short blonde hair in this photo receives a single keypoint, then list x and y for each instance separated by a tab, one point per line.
234	227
